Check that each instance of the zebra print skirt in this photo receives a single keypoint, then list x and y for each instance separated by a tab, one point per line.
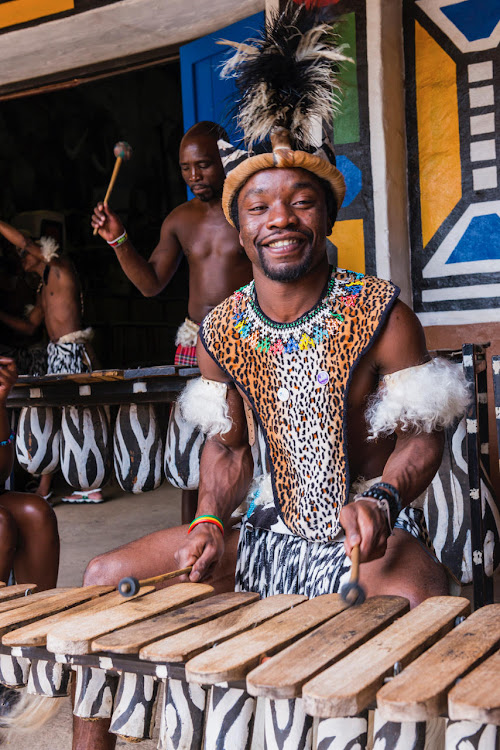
270	563
67	358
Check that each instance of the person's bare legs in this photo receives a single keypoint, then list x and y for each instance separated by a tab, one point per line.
406	569
189	505
44	485
143	558
36	557
154	554
92	735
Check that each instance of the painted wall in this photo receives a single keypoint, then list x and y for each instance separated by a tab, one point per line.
452	72
22	13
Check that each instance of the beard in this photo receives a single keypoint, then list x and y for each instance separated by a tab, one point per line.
210	194
285	272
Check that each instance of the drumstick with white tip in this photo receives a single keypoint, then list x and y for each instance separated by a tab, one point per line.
123	152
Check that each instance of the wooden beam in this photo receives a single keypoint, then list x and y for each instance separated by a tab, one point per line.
108	34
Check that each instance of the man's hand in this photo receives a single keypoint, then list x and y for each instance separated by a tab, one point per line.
203	549
366	525
107	222
8	376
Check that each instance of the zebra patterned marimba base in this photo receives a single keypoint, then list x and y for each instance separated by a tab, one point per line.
229	672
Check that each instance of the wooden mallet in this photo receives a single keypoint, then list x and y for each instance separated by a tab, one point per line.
123	152
130	586
352	592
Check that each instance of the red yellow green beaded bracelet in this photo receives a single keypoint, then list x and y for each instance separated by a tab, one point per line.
207	519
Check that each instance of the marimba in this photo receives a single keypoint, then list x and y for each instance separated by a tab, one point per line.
65	422
233	669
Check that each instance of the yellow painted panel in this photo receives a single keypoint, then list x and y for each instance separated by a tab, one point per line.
349	238
438	132
21	11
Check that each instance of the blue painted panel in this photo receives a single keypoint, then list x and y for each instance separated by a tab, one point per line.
353	179
481	240
476	19
204	95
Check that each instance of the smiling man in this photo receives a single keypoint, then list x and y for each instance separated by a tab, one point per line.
218	265
330	363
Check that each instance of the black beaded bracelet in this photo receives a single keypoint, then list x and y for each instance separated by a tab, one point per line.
385	491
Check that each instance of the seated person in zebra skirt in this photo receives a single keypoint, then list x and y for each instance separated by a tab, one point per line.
330	363
218	265
29	541
335	370
58	307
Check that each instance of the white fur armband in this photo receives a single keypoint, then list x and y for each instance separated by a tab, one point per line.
203	403
422	398
77	337
49	248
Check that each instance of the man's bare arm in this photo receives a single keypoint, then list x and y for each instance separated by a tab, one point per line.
26	326
13	235
225	474
19	240
149	276
416	456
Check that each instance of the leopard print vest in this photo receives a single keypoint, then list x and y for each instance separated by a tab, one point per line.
296	376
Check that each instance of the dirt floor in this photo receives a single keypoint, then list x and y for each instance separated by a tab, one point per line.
85	531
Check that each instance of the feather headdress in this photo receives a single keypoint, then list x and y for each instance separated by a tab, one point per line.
288	79
287	83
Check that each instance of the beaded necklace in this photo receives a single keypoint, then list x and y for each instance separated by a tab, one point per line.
307	332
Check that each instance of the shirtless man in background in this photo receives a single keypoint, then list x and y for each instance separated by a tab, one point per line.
59	307
58	302
217	266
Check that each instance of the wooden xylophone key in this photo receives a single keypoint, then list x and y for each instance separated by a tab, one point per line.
476	697
35	634
350	686
131	639
185	705
42	678
420	692
16	591
77	635
134	709
280	679
181	703
14	670
231	710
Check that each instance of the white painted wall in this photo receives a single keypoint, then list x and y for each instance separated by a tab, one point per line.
388	141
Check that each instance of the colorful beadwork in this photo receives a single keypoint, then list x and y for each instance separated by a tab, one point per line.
9	440
266	336
207	519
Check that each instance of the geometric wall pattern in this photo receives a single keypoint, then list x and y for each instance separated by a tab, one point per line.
354	231
453	131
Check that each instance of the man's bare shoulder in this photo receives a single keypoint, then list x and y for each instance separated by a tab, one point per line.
63	270
188	210
402	341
